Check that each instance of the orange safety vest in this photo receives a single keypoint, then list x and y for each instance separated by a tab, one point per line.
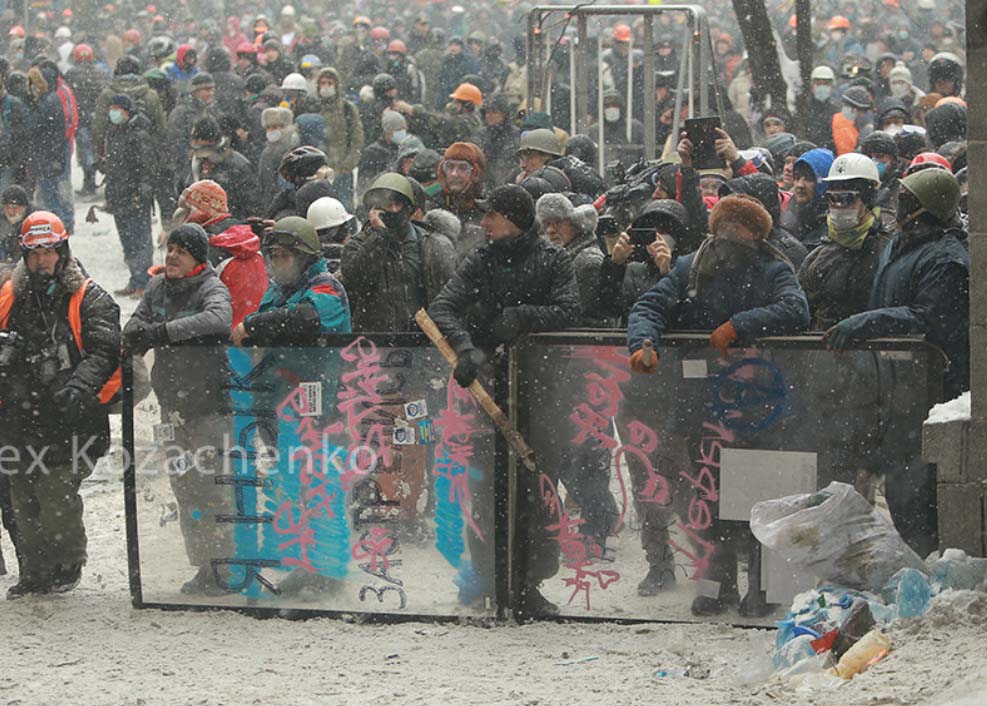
112	386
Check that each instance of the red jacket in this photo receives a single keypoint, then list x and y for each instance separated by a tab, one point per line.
244	273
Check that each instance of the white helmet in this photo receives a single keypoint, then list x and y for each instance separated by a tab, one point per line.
853	165
294	82
823	73
63	32
327	212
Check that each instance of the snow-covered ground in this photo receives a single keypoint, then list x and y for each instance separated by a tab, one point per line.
91	648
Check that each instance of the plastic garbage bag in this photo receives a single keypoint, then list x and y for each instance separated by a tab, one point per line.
910	592
958	571
837	535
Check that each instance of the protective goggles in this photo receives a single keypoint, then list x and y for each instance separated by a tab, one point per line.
40	237
842	198
457	166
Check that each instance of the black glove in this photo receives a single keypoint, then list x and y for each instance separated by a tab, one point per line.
72	402
141	338
507	326
468	366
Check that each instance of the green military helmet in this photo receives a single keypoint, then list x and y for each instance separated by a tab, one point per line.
382	191
936	190
296	234
541	140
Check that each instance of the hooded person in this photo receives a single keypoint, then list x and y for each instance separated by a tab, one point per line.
59	369
184	69
344	131
379	156
185	316
127	79
808	195
838	275
882	149
946	123
742	288
462	175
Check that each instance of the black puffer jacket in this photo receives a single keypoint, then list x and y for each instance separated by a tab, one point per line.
236	175
129	164
28	416
837	281
527	274
190	374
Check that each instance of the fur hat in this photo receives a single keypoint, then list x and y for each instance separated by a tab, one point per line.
391	120
742	209
276	116
444	222
557	207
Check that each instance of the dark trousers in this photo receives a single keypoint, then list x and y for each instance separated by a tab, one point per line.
134	228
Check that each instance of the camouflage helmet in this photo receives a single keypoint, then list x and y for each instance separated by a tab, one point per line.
296	234
936	190
541	140
385	187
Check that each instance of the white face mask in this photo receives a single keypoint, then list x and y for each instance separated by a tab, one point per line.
836	36
893	129
844	218
397	137
274	135
611	115
899	89
848	112
327	91
116	117
822	93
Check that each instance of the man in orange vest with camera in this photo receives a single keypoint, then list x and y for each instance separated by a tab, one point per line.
59	369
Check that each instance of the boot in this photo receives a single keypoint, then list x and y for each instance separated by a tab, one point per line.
204	584
88	184
25	588
533	605
66	578
658	578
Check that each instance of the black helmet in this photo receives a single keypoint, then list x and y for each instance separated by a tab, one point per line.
945	67
161	46
382	84
582	148
537	187
556	177
127	65
301	163
426	166
879	142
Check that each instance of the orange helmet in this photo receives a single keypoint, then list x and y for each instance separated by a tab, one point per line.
380	33
468	93
361	20
951	99
133	36
622	33
16	31
839	22
793	21
82	52
67	12
42	229
397	47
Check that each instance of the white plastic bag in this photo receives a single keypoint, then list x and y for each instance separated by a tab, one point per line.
837	535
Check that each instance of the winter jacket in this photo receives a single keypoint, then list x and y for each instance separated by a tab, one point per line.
439	130
344	131
762	298
451	72
88	80
229	86
527	276
765	189
189	110
377	158
270	160
499	143
145	101
46	127
243	270
819	128
190	373
128	164
922	287
390	279
15	136
236	175
837	281
28	415
313	306
587	266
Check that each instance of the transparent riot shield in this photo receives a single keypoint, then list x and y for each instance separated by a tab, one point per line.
656	475
352	477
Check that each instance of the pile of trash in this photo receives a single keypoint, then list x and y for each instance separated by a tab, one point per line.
869	578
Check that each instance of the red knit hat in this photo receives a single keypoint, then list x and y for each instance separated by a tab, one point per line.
208	196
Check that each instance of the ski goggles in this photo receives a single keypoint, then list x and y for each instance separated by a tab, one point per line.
842	198
457	166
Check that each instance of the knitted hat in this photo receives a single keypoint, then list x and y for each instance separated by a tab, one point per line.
15	195
513	203
122	100
557	207
208	196
743	210
391	120
192	238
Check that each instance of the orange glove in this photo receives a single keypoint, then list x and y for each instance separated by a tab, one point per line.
722	337
637	362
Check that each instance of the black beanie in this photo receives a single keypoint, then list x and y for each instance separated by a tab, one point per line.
193	238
